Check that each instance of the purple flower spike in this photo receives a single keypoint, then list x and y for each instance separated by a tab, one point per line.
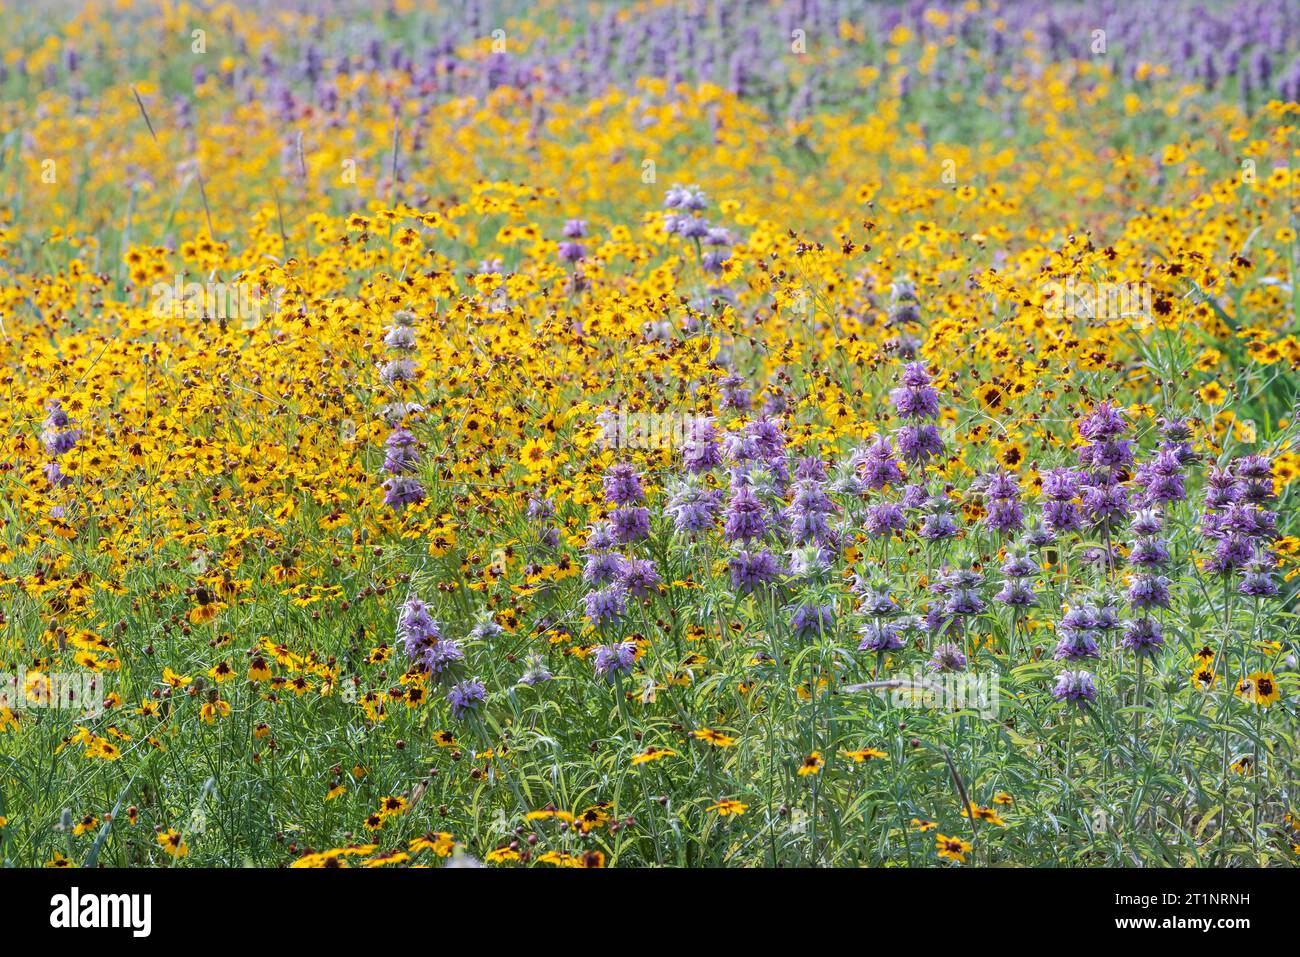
1077	687
466	697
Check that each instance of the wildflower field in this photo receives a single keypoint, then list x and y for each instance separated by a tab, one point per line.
562	434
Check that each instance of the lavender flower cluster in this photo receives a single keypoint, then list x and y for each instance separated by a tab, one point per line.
787	525
401	450
683	219
751	47
59	437
785	520
432	653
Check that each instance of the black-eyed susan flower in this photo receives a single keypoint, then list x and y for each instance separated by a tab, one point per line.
715	738
952	848
1259	689
652	753
387	859
221	671
1212	393
728	807
440	843
811	764
595	816
503	855
984	814
211	711
173	843
547	814
864	754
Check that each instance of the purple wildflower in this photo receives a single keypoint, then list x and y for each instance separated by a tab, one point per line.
400	338
416	628
397	370
55	476
1104	503
745	521
601	536
735	394
938	523
1060	511
401	452
1018	564
640	577
571	252
1003	512
713	260
535	671
1105	422
1161	479
1257	581
58	436
441	655
1149	591
401	491
877	464
614	659
884	519
700	451
693	509
465	697
1144	637
605	606
631	523
1176	435
880	636
1017	593
915	496
749	570
915	399
1079	634
622	485
602	568
1077	687
1254	474
918	443
1149	552
811	619
947	658
807	514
